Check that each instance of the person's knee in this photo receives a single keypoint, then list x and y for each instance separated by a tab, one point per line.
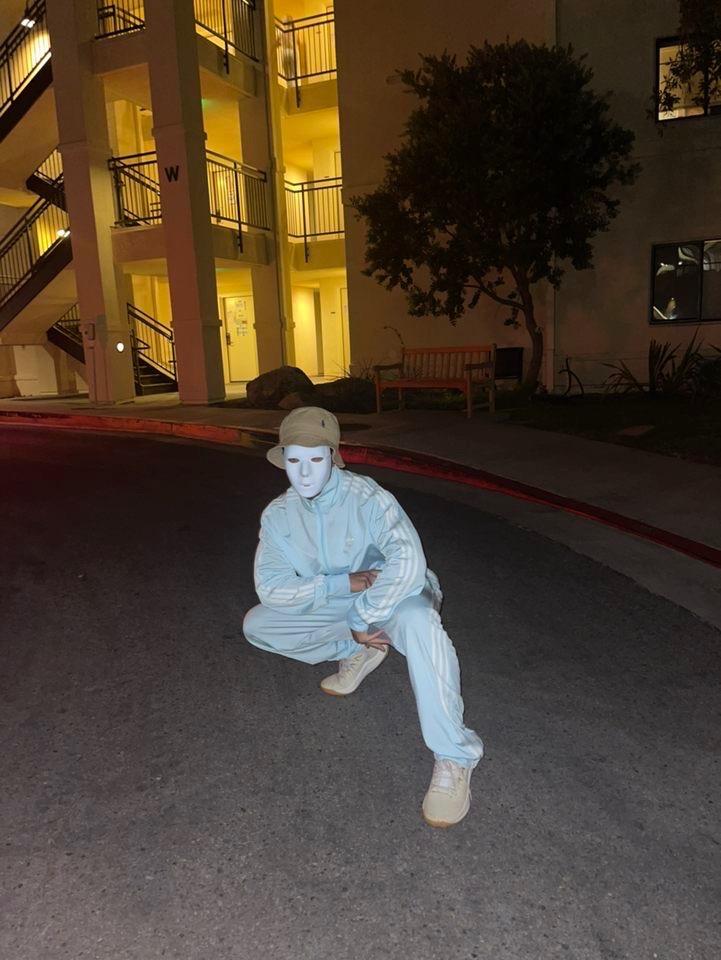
253	625
412	615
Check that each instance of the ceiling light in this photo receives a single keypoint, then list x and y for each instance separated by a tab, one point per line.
27	22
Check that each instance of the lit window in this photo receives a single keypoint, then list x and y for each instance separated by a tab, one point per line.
686	282
684	99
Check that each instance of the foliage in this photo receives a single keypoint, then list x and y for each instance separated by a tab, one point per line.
694	73
680	426
346	395
361	369
504	175
706	379
692	373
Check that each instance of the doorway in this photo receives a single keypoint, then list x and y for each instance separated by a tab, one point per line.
240	339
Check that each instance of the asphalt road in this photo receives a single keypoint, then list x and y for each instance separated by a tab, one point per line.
168	791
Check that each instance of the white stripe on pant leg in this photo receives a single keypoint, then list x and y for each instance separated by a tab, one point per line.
439	660
449	695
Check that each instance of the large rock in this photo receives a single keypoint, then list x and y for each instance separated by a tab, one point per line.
347	395
269	388
294	400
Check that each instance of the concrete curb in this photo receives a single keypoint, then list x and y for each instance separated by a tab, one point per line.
404	461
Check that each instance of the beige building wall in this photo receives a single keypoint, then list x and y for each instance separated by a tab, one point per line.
598	315
37	370
603	314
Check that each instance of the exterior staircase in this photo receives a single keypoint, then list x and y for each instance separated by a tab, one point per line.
37	248
152	345
25	70
65	333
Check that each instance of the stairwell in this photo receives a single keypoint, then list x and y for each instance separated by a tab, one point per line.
25	69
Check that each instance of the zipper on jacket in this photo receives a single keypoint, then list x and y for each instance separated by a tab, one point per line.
321	541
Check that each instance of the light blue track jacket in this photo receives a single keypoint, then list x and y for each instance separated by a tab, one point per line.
307	549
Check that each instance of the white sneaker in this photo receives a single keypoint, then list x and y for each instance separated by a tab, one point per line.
449	796
353	671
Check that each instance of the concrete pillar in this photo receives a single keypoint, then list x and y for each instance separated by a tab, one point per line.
180	144
268	331
260	124
84	146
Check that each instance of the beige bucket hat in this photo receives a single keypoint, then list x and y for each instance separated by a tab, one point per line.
307	427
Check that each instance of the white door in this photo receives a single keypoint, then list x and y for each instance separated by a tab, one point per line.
240	338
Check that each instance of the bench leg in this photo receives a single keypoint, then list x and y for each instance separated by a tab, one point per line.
469	398
378	394
492	397
401	399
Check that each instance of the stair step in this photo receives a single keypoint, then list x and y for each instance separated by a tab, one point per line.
158	388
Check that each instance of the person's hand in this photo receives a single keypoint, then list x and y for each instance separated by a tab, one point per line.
378	639
362	580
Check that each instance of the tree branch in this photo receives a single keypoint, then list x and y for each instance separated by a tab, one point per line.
489	291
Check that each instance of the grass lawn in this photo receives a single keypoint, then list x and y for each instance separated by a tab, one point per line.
681	428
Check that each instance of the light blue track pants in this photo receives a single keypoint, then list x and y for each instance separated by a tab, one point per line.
415	630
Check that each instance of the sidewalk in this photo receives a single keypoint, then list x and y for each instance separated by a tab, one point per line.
677	496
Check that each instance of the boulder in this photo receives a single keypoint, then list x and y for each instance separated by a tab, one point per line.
347	395
293	400
267	390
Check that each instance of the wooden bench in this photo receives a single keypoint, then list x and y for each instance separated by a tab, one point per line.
431	368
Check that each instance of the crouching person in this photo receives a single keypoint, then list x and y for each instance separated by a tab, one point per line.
341	576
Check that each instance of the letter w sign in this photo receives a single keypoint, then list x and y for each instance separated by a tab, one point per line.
171	173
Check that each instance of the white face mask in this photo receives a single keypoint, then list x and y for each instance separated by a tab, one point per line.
308	468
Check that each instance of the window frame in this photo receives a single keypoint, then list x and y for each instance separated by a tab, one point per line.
653	321
662	42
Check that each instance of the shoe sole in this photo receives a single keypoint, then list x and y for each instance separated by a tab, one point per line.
337	693
444	824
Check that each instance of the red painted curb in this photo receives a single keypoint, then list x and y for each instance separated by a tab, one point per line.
404	461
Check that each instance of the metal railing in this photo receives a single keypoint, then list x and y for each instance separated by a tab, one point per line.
137	189
237	192
306	49
69	324
51	169
152	343
28	243
123	17
229	24
314	210
23	52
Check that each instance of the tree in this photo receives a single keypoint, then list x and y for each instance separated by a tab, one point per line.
501	178
693	74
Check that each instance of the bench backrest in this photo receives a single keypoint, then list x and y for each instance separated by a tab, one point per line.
445	363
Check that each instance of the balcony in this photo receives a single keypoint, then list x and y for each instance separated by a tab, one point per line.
229	24
237	193
306	51
315	211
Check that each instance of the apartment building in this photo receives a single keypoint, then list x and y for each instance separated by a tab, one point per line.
171	197
175	178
